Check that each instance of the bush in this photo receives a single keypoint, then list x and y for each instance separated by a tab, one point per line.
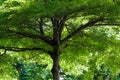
32	71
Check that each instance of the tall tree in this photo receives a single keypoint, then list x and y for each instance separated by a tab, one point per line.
47	22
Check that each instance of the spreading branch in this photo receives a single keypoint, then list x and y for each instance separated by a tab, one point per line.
61	25
29	35
81	27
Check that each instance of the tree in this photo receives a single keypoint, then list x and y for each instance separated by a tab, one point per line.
52	23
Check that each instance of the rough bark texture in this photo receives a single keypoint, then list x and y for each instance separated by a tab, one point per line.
56	67
58	25
56	51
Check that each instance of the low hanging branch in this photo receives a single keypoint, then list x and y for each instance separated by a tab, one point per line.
18	49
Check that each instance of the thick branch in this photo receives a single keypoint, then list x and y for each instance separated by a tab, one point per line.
81	27
61	25
58	25
55	22
29	35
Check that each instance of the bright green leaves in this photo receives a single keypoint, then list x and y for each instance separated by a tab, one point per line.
52	8
91	48
12	4
23	16
27	12
9	5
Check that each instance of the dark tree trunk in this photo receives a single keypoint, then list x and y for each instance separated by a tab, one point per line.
58	25
55	55
56	67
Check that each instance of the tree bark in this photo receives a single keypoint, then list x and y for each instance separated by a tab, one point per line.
58	25
55	57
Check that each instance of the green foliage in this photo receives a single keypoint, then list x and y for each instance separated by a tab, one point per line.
103	73
75	60
6	69
32	71
94	45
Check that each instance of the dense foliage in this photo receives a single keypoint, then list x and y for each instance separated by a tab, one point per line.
73	66
76	36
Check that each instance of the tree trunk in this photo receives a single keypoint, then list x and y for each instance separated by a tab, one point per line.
58	25
55	57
